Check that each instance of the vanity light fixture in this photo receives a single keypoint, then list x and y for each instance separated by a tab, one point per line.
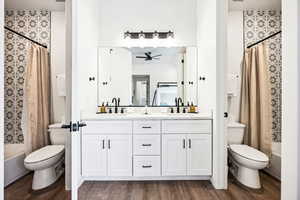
148	35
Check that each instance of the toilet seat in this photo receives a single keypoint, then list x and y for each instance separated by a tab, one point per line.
249	153
44	154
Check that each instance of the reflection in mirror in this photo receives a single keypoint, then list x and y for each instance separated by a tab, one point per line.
141	90
147	76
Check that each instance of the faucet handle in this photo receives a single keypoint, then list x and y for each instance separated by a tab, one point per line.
122	110
172	110
119	100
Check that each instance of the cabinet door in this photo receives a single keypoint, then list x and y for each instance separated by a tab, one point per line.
94	155
174	155
199	154
119	155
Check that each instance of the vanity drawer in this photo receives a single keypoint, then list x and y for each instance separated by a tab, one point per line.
118	127
146	127
146	166
186	126
146	144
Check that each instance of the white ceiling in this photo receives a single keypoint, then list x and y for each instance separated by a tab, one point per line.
254	4
35	4
60	6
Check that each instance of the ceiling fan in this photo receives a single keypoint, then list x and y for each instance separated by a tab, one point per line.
149	57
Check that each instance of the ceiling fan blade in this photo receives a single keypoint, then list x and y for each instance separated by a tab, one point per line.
156	56
148	54
141	57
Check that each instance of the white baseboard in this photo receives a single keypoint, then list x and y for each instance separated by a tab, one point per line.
162	178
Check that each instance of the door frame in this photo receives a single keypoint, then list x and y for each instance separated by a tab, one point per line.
2	100
220	177
290	177
135	79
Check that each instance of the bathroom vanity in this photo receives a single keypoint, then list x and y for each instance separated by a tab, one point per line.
147	147
166	143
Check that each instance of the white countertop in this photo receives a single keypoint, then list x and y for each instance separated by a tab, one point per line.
140	116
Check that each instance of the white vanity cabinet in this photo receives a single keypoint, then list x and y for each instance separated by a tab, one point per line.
94	155
146	145
107	149
174	155
147	149
186	148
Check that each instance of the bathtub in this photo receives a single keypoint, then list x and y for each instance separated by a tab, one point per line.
275	160
13	163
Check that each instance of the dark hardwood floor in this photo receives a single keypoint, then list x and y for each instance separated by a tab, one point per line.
178	190
156	190
21	190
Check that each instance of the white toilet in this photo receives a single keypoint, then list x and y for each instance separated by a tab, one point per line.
48	162
244	161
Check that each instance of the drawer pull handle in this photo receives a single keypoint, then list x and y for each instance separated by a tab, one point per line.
103	144
183	143
190	143
109	144
146	127
147	166
146	145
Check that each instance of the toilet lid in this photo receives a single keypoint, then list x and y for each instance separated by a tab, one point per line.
44	153
249	152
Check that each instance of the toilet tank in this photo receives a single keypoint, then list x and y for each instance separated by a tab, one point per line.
57	134
235	134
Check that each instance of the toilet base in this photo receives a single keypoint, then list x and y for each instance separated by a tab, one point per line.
46	177
246	176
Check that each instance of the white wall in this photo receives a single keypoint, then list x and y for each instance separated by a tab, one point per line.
211	21
87	39
1	100
116	17
290	177
58	62
235	58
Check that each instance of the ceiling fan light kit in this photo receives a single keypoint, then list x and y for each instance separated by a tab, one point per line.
148	35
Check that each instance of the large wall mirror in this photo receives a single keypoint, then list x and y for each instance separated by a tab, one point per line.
147	76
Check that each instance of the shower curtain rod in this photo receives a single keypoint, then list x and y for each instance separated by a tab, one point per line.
19	34
260	41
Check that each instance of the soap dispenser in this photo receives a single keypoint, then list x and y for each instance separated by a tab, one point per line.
192	108
103	108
